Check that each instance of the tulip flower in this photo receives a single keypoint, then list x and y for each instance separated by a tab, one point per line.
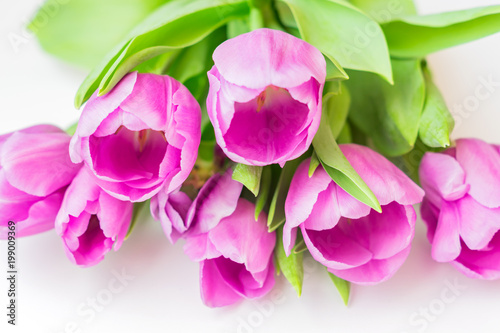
353	241
171	209
234	250
140	137
35	170
462	206
91	221
265	96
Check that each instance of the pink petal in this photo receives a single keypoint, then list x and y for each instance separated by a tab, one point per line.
242	239
446	244
215	291
481	163
335	249
217	199
387	182
375	271
37	164
442	178
295	62
478	224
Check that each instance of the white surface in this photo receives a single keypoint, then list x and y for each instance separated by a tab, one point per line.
164	296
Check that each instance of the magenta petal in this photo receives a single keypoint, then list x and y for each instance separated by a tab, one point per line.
384	234
430	215
217	199
387	182
215	292
199	247
335	249
242	239
301	198
295	63
375	271
38	164
446	243
484	264
481	163
442	178
478	224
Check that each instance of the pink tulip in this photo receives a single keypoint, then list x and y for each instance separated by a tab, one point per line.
462	206
352	240
140	137
171	209
234	250
265	96
35	170
91	221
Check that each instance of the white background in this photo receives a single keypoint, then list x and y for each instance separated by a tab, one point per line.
164	295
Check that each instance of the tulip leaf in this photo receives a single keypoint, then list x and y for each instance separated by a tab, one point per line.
384	10
265	188
336	104
276	216
292	266
72	129
343	287
314	164
248	175
300	245
83	31
138	209
338	167
416	36
207	143
389	114
436	123
344	33
175	25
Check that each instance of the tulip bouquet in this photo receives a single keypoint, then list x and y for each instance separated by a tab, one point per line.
258	132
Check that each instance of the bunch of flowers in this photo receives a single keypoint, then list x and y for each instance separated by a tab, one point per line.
258	132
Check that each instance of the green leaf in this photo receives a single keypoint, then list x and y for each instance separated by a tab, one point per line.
138	209
265	188
389	114
436	123
343	287
384	10
345	135
291	266
336	104
314	164
83	31
338	167
177	24
417	36
248	175
72	129
207	143
344	33
276	216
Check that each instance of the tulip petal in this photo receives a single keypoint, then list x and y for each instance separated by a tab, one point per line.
375	271
242	239
217	199
442	178
478	224
481	163
387	182
283	60
335	249
37	164
384	234
215	291
483	264
446	244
